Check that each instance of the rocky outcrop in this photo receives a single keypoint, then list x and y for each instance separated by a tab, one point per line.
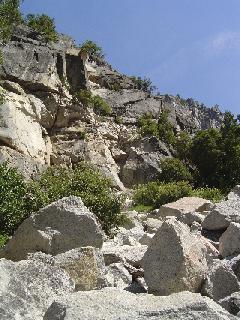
112	304
41	119
175	260
29	287
229	243
63	225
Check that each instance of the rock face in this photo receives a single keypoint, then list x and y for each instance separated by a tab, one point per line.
29	287
229	243
40	81
112	304
57	228
175	260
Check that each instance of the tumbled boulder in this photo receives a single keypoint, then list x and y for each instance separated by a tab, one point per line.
29	287
85	266
221	281
224	213
114	304
61	226
229	242
186	210
175	260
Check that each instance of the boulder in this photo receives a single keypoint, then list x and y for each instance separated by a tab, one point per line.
29	287
232	303
152	225
118	276
115	304
175	260
221	281
61	226
131	254
85	266
229	243
223	213
188	210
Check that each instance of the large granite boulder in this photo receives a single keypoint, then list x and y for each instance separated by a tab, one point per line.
113	304
175	260
61	226
221	281
85	266
186	210
229	242
29	287
224	213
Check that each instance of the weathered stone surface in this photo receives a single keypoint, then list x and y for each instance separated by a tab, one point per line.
223	214
152	225
185	208
220	282
29	287
63	225
118	276
130	254
20	130
229	243
175	260
232	303
26	165
113	304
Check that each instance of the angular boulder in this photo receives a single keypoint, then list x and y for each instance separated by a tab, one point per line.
61	226
224	213
186	210
29	287
175	260
114	304
229	242
221	281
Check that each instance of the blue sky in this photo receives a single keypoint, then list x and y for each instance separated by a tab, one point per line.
189	47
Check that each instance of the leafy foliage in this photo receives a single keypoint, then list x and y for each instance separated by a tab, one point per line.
13	199
144	84
99	105
148	126
18	198
165	129
9	15
92	49
174	170
156	194
43	24
212	194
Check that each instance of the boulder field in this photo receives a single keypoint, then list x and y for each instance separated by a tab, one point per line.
60	265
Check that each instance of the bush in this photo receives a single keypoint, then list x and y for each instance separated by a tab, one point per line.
143	84
98	104
212	194
9	15
173	169
85	182
147	125
156	194
43	24
92	49
165	129
13	199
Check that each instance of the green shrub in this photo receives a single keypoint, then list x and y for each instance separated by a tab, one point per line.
173	170
212	194
99	105
143	84
9	16
147	125
156	194
43	24
165	129
3	239
92	49
85	182
118	120
13	199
